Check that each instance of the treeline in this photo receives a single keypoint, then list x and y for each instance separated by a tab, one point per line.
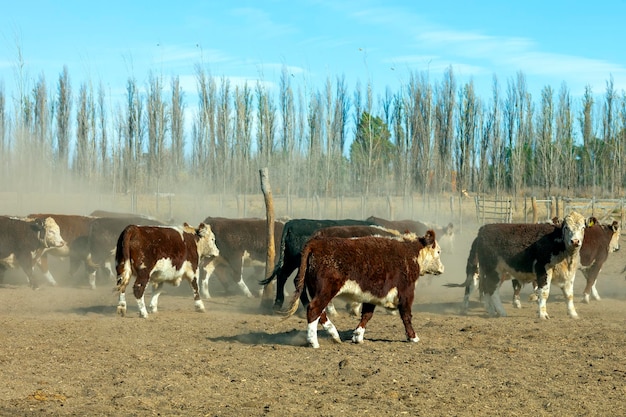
429	137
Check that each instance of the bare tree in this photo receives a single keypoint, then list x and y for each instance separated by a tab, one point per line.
63	114
177	130
444	130
545	146
565	139
467	133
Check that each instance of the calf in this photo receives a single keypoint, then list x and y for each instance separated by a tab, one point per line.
72	227
445	235
599	241
528	252
349	232
371	270
242	242
101	241
22	241
295	234
159	254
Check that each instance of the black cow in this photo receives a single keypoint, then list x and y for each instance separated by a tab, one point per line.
295	235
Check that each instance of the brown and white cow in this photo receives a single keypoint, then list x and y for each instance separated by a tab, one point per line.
599	241
72	227
371	270
242	242
354	308
159	254
528	252
100	243
445	234
22	242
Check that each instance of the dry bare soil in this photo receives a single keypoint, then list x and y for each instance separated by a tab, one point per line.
64	351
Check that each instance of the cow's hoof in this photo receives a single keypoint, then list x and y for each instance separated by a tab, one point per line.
121	311
414	339
314	345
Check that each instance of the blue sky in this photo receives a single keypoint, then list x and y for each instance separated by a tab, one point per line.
383	41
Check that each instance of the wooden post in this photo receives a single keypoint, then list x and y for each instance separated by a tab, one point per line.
268	290
533	201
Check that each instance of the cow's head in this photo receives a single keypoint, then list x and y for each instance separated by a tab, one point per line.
429	257
617	231
573	230
206	241
48	232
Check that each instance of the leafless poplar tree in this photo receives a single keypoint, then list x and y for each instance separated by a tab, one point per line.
63	116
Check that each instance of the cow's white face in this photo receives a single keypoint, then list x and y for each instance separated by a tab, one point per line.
573	230
206	242
52	234
429	260
614	243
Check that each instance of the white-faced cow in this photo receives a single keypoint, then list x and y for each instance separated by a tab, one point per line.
445	235
528	252
72	227
242	242
295	234
101	241
371	270
599	241
159	254
22	241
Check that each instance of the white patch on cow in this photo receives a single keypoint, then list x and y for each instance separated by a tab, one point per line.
352	290
429	260
164	271
52	236
48	276
332	331
357	335
311	333
204	285
143	312
245	288
9	261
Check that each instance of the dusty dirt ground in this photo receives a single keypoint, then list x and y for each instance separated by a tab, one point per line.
64	351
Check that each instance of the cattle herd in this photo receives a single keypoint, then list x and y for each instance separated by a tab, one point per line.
371	262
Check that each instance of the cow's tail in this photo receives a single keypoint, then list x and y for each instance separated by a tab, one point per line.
471	268
300	282
122	259
281	259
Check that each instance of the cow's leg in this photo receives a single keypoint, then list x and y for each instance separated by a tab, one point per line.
543	292
282	275
591	276
354	308
121	304
154	300
517	289
108	265
241	283
405	314
367	310
329	327
469	289
139	288
199	305
205	275
330	309
490	287
45	269
568	293
315	314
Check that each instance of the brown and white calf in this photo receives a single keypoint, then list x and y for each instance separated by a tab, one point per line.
101	241
353	307
159	254
22	241
370	270
528	252
600	240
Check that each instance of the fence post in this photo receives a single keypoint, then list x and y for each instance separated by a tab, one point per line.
533	201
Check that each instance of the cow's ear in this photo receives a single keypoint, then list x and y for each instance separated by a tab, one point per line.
615	226
430	237
38	224
591	221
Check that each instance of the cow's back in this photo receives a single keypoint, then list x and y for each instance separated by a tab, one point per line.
519	245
